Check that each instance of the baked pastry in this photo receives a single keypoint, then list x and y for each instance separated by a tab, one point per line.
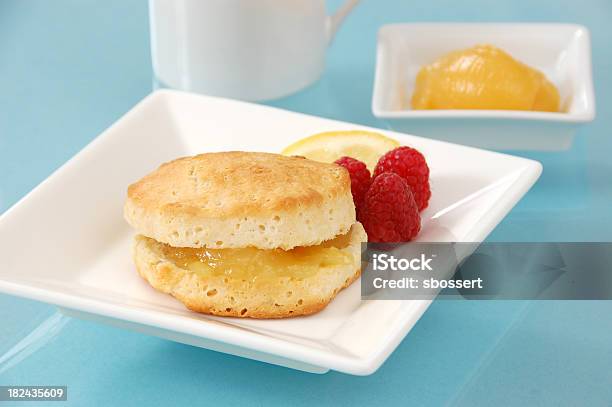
246	234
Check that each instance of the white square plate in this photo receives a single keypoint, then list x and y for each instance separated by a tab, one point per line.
66	242
561	51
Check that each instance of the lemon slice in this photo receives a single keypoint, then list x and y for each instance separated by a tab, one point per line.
366	146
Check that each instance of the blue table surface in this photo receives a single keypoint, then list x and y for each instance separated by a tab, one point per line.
68	69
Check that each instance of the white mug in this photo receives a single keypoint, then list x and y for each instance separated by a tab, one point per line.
241	49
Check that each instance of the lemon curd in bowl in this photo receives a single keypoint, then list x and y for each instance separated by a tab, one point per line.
483	77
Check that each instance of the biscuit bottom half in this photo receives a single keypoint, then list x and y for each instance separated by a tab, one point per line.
250	282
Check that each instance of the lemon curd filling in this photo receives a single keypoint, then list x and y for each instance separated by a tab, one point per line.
252	263
483	77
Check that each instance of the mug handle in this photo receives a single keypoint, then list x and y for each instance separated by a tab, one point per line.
335	20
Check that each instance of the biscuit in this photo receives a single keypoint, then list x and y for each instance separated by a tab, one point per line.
224	295
242	199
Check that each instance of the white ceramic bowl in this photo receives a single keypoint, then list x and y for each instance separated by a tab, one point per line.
561	51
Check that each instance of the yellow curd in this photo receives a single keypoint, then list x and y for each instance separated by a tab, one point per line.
483	77
252	263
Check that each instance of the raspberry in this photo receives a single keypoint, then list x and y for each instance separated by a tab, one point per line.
360	179
389	212
409	164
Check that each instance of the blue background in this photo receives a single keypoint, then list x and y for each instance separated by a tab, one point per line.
70	68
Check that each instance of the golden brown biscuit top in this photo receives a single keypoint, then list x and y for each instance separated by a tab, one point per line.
229	184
